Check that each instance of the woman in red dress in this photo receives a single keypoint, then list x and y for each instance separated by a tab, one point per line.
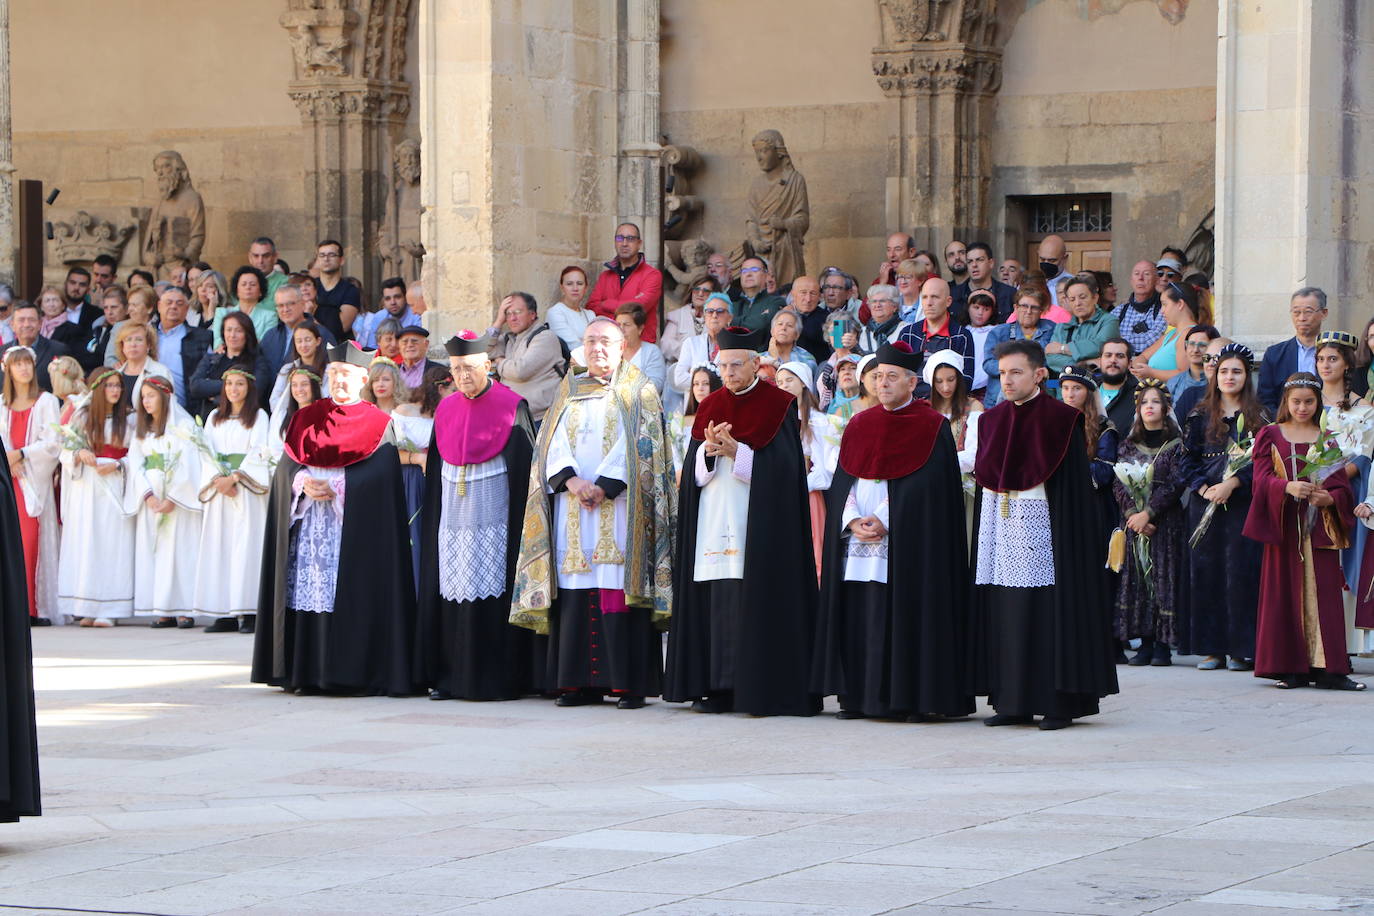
1303	525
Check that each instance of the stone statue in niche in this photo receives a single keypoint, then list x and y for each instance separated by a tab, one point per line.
779	210
398	238
176	228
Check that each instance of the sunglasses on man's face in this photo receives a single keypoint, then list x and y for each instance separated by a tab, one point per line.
1170	274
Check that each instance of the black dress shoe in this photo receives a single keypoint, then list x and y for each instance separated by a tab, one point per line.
1054	723
1162	657
162	623
222	625
850	714
185	623
630	703
714	706
1002	719
248	623
1142	657
437	694
578	699
39	622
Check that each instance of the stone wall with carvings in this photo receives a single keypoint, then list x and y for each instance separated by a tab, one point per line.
93	130
1088	125
815	87
817	84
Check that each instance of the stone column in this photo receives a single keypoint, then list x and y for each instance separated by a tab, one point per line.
456	183
1295	139
8	263
530	156
640	178
938	64
353	99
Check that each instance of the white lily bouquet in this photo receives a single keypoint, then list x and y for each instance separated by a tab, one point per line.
1138	478
74	439
160	460
1239	456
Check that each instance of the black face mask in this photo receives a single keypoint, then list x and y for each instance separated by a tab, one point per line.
1049	269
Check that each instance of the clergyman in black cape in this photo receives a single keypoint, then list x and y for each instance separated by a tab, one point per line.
336	604
1041	642
895	586
476	479
745	578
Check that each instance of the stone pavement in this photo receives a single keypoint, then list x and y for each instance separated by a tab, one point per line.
175	787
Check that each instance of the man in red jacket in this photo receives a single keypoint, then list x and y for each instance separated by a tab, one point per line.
629	278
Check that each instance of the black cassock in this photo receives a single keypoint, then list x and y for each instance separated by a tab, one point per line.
750	637
1050	651
898	648
469	649
19	795
364	645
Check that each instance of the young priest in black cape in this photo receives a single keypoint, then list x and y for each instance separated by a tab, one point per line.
895	585
1041	642
744	591
336	607
479	464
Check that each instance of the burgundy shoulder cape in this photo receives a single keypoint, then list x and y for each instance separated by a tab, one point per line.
473	430
754	417
330	435
882	444
1021	445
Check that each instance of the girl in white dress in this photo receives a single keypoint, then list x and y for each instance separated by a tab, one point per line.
28	430
233	492
95	578
163	497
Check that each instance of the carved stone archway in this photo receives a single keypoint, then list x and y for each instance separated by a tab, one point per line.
939	62
350	88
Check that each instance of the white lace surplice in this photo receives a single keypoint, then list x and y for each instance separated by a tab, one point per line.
472	531
313	575
1014	549
866	562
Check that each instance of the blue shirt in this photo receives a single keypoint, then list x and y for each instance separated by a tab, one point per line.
169	354
1307	358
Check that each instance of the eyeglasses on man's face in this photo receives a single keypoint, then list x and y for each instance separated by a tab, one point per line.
627	238
715	311
1169	274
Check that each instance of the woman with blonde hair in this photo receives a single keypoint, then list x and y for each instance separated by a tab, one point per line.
28	430
68	384
135	349
207	296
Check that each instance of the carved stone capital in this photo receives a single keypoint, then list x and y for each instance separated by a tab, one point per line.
935	68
